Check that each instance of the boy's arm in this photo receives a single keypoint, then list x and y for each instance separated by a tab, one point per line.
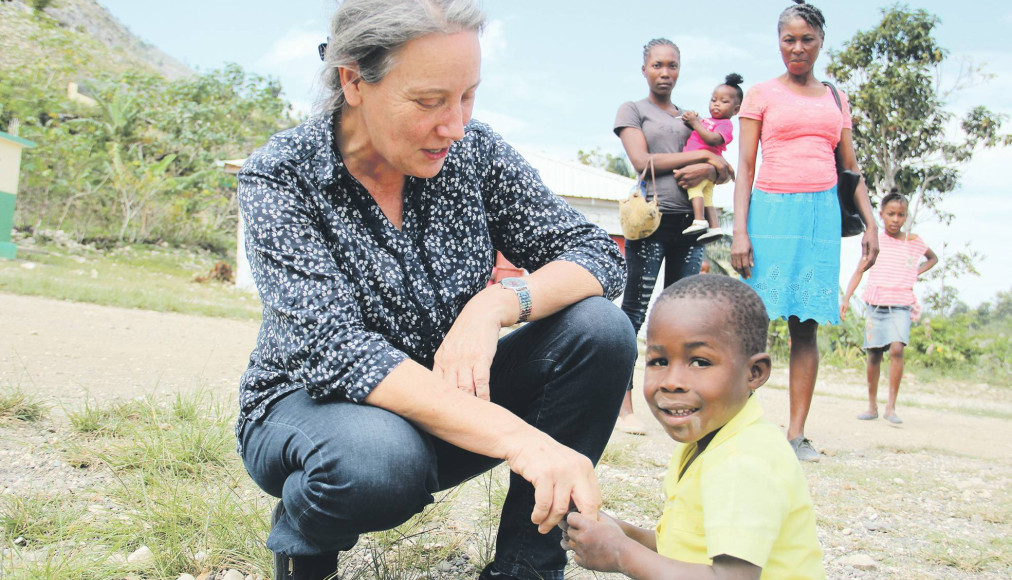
851	287
605	546
928	264
642	536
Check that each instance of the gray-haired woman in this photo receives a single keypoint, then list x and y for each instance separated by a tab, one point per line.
379	377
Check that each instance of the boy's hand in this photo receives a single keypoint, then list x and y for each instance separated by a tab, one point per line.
690	117
596	545
843	310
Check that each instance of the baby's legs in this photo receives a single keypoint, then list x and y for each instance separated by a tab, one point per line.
874	367
711	212
711	216
698	196
697	205
895	375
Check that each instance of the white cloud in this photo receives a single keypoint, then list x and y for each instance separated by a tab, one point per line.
293	59
493	41
292	47
506	125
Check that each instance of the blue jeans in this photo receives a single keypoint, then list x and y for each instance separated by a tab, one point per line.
343	469
681	256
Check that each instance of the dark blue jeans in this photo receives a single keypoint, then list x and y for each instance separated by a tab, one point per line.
682	257
343	469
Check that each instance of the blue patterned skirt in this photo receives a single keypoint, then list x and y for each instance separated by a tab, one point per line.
796	246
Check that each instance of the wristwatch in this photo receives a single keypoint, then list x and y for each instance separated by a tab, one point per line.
519	286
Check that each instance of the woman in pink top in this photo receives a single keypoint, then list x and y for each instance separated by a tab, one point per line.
787	229
892	305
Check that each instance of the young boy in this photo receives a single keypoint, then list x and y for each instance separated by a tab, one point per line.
737	503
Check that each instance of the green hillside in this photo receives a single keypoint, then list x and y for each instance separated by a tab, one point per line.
138	163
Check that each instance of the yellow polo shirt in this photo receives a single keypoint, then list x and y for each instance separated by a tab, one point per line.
744	496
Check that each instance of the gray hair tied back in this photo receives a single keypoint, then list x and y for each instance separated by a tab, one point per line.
366	35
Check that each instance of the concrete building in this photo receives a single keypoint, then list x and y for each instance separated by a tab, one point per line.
10	172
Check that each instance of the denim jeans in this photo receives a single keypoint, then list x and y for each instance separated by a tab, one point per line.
343	469
681	256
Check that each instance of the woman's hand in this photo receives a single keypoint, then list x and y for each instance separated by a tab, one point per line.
869	248
464	358
844	306
561	478
692	175
596	545
742	259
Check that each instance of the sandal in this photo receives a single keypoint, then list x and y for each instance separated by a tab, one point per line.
868	416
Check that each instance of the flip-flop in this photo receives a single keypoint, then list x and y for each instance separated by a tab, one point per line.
868	416
894	419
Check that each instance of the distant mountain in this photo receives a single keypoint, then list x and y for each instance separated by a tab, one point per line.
112	46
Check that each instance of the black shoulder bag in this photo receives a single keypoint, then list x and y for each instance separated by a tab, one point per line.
851	223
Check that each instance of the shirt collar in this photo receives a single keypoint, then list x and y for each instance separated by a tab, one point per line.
750	413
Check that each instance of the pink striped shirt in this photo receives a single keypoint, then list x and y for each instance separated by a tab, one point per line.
891	279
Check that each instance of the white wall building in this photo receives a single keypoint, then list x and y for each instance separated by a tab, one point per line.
593	192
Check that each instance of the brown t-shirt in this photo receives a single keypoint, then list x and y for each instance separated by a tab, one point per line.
664	134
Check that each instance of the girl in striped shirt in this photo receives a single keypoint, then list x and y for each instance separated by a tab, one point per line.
889	295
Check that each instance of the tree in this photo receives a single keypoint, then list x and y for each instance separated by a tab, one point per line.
943	298
607	161
905	138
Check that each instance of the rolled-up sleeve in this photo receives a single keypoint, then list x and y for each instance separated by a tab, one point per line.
313	331
531	226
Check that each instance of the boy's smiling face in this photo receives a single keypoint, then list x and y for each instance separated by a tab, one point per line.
697	376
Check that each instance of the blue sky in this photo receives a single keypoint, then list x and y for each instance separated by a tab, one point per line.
555	71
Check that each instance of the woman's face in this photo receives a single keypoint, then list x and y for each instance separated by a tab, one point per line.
661	69
420	107
799	46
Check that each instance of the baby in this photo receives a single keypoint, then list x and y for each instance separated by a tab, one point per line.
736	500
713	134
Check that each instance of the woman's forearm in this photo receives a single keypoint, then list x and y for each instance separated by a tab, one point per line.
416	394
635	145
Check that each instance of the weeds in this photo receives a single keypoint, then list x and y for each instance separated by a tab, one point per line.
16	405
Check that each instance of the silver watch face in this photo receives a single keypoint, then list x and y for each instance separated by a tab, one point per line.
513	283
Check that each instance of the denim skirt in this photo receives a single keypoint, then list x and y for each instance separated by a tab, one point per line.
884	325
796	249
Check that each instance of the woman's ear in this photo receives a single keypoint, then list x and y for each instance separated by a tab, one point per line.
759	368
350	80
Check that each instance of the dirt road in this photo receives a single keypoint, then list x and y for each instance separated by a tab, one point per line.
67	351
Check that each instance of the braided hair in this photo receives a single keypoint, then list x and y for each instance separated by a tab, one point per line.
807	12
734	81
655	43
893	195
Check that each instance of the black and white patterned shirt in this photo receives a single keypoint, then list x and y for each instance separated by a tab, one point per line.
347	296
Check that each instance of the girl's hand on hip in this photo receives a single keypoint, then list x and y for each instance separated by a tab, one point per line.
742	259
561	478
596	545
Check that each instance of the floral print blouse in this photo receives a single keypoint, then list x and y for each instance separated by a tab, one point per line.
347	296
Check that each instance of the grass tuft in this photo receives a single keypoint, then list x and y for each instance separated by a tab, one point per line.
17	405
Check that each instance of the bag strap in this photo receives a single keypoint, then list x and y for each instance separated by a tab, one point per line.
653	179
836	95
